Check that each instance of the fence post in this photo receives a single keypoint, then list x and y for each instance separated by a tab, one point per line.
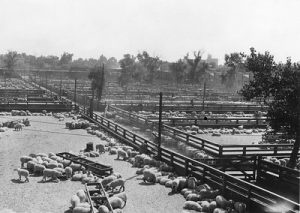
220	151
275	150
172	159
133	138
186	167
244	150
204	173
187	138
108	124
124	133
224	184
116	128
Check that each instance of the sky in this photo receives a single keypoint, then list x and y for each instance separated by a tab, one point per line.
165	28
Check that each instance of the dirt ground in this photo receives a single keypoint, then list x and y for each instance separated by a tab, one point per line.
47	134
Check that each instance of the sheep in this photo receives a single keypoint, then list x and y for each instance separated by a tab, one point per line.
25	159
103	209
51	173
52	165
19	126
42	154
68	172
100	148
108	179
66	163
61	170
30	165
60	165
193	197
178	184
191	182
149	176
77	167
81	209
74	201
82	196
192	205
23	172
38	168
123	154
115	183
123	196
116	202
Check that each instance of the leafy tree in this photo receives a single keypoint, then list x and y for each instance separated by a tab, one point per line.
193	64
151	64
127	65
235	64
10	61
178	69
279	87
112	62
65	59
102	59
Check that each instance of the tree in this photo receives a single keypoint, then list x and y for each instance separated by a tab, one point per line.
279	87
102	59
65	59
235	64
178	69
151	64
10	61
193	64
127	65
112	62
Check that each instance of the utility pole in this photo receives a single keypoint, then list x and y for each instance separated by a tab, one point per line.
203	95
75	91
159	125
60	84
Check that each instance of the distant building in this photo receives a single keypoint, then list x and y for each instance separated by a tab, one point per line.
213	62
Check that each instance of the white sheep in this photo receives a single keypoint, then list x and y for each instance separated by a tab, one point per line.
108	179
116	183
19	126
68	172
100	148
74	201
51	173
30	165
178	184
116	202
103	209
123	196
122	153
52	165
38	168
66	163
25	159
192	205
23	172
149	175
82	196
77	167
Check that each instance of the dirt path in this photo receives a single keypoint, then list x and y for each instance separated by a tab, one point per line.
47	134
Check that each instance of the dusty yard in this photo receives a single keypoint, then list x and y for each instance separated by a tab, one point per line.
47	134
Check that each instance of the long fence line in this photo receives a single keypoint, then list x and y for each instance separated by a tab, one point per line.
209	146
254	196
230	186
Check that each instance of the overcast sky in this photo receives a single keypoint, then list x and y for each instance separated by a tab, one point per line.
166	28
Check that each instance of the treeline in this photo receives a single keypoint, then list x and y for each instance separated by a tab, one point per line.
13	60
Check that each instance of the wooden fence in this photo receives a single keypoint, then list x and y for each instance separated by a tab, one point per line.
277	173
231	187
209	146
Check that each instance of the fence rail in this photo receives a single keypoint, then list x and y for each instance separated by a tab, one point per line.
209	146
230	186
277	173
